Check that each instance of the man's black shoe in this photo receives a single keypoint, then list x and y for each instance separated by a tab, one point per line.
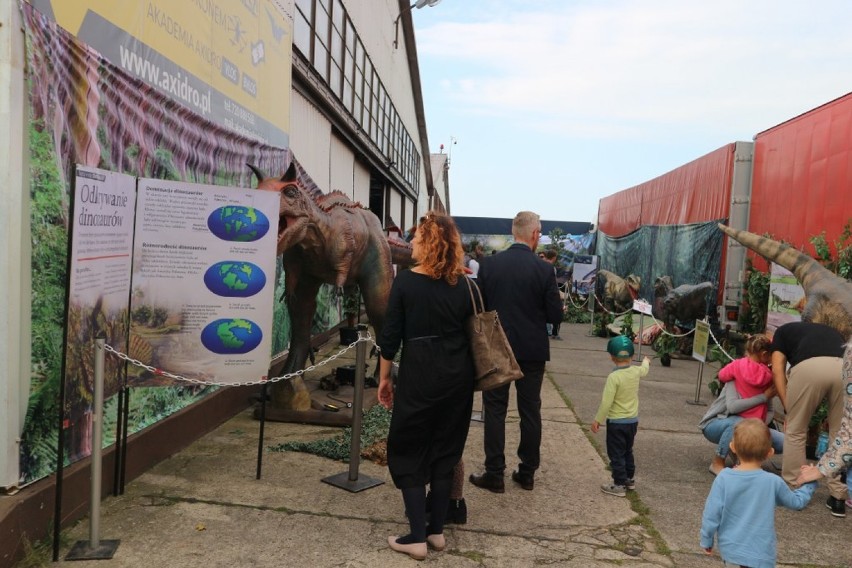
837	506
456	512
525	480
488	481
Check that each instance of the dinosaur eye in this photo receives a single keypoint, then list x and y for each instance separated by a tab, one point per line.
290	191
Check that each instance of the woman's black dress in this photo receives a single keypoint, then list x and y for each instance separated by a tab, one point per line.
433	394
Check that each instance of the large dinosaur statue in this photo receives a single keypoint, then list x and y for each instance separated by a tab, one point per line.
324	238
828	297
621	291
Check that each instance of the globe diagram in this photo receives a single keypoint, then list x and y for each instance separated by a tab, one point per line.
238	223
234	279
231	336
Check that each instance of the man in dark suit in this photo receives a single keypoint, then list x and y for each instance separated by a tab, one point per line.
522	288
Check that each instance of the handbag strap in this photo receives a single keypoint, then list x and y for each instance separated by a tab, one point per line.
470	287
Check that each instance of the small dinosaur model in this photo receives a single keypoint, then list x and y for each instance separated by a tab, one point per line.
324	238
621	291
828	297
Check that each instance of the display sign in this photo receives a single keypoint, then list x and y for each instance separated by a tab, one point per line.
642	307
99	290
786	298
701	340
585	273
203	279
228	61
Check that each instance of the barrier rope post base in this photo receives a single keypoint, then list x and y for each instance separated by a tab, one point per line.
697	401
349	480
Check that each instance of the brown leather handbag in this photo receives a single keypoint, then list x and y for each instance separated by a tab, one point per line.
492	355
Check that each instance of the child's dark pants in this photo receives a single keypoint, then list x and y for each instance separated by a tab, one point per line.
619	448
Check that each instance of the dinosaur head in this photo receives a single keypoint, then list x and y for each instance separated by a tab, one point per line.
295	205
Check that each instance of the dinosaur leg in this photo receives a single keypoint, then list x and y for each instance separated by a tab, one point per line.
293	394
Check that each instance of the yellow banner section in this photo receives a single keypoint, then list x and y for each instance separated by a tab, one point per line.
229	60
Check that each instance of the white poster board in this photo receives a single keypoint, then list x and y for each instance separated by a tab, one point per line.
99	292
585	274
203	279
786	298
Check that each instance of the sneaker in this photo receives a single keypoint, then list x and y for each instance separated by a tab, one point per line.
613	489
837	506
556	337
630	485
849	502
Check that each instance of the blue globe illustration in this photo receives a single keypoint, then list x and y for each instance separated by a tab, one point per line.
238	223
234	336
234	278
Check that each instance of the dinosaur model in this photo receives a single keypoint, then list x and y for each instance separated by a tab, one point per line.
828	297
686	303
325	239
621	291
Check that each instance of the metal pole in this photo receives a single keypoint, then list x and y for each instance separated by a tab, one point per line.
641	327
95	549
592	312
350	480
357	408
260	435
97	441
697	400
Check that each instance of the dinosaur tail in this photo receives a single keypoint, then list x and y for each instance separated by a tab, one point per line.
400	252
806	269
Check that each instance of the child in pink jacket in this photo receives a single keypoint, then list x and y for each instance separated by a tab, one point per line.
751	374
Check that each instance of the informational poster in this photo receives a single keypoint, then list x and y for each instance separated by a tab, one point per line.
229	61
786	298
585	274
101	248
701	341
203	279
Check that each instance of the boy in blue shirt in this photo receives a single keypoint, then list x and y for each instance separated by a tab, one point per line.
620	409
740	509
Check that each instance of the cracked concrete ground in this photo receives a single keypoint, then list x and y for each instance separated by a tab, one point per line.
204	507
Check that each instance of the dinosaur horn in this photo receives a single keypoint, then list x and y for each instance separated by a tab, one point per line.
260	175
291	174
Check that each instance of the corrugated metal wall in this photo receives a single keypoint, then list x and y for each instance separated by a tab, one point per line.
695	192
310	140
802	182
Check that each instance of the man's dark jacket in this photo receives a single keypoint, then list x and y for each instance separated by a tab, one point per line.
522	288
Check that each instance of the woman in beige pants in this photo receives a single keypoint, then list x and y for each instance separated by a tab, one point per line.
815	353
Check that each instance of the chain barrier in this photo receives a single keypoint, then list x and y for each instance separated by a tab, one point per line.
598	301
722	349
569	295
286	377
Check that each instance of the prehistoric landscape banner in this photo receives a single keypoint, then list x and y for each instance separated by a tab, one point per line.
85	108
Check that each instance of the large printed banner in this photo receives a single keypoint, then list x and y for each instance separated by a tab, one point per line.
227	60
203	279
101	247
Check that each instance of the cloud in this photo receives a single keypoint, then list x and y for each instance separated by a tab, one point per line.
634	69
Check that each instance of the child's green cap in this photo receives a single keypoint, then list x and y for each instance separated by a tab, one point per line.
620	346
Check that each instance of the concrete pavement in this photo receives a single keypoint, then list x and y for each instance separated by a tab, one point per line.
204	507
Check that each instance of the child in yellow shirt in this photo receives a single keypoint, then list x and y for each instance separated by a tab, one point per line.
620	408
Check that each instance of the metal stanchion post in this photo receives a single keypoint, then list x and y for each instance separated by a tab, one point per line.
641	327
592	313
350	480
95	548
697	400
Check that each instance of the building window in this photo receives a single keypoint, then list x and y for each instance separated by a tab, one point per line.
325	35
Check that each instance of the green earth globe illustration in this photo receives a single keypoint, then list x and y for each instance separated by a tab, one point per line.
231	336
234	278
238	223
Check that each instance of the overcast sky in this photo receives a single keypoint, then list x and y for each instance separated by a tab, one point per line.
557	103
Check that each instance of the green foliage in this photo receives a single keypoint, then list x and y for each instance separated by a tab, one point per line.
843	245
627	325
48	216
753	315
665	344
374	428
819	420
577	310
602	320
